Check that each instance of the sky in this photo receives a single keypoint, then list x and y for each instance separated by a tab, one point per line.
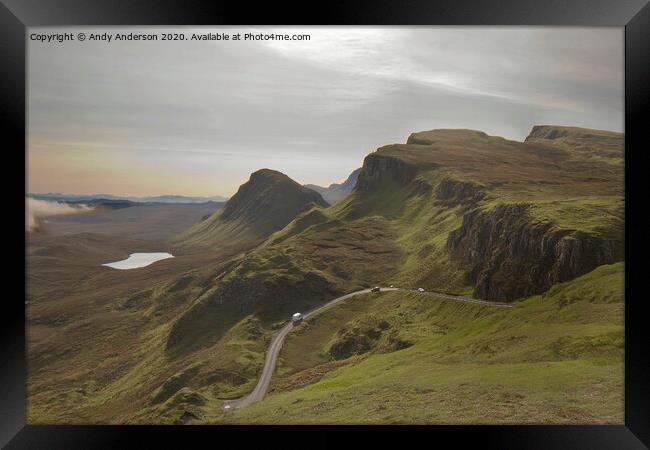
197	117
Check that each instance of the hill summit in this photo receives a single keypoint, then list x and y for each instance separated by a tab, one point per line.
266	203
589	142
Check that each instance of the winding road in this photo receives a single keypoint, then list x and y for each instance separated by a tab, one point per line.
262	386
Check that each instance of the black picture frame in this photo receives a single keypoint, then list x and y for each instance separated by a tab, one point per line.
634	15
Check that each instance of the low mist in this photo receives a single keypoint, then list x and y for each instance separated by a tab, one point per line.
35	210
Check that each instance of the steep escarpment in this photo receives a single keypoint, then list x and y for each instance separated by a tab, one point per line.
459	191
453	210
266	203
559	213
378	169
559	197
512	256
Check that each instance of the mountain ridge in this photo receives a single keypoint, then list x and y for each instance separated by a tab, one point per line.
455	211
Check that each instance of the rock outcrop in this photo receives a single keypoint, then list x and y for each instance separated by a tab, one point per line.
512	257
459	191
379	168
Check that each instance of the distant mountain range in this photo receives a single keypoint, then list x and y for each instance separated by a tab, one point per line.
335	191
332	194
94	198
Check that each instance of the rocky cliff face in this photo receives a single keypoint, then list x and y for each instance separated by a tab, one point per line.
459	191
377	168
512	257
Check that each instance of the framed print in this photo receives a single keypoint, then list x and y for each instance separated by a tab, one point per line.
423	215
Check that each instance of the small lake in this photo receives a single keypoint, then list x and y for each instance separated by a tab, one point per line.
136	260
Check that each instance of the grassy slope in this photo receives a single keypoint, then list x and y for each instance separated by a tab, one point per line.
132	324
596	145
96	343
391	235
267	202
124	371
397	233
598	215
554	358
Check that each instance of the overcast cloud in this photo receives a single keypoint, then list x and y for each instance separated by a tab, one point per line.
196	118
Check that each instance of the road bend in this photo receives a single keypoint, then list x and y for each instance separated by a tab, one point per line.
275	346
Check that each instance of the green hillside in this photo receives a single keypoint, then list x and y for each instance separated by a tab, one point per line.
553	358
599	145
409	219
419	208
538	224
267	202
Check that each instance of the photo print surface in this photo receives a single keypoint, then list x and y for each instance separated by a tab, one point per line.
325	225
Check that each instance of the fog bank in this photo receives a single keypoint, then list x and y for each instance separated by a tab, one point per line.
35	210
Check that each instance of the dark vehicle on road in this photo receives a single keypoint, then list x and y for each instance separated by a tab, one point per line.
375	289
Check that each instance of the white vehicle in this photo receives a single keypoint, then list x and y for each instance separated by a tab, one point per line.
296	318
420	290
